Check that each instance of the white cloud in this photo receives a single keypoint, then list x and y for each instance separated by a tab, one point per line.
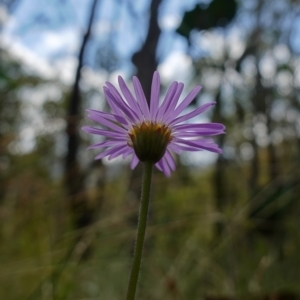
282	53
27	57
197	159
213	43
177	66
169	22
235	44
64	40
3	15
267	66
65	68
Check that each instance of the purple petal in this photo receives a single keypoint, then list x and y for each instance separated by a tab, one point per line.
196	133
201	144
129	97
187	100
162	165
214	126
127	152
115	109
109	152
173	102
179	148
114	96
157	165
106	144
108	116
134	162
141	97
122	106
106	123
155	92
170	94
114	91
172	146
192	114
169	158
118	152
103	132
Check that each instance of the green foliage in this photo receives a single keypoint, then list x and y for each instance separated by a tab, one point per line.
42	258
218	13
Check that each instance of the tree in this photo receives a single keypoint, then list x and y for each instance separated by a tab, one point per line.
74	176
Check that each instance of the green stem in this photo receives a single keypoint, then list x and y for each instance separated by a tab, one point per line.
142	223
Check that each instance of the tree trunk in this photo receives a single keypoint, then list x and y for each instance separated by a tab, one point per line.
145	59
73	175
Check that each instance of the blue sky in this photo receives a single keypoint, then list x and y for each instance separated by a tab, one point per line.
53	29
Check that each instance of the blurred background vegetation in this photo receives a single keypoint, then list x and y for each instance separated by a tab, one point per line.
222	227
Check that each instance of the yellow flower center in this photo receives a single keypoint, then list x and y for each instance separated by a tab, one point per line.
149	140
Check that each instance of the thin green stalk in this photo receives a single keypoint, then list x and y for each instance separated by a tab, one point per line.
142	223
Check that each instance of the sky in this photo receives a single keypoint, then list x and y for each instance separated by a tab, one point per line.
51	31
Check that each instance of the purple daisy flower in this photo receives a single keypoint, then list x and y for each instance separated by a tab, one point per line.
151	134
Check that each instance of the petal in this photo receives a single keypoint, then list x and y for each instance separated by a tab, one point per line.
106	143
134	162
170	94
124	108
200	144
173	102
214	126
155	92
121	101
141	97
108	116
127	152
169	158
179	148
192	114
114	108
103	121
158	166
172	146
163	166
196	133
103	132
129	97
109	152
114	91
119	152
187	100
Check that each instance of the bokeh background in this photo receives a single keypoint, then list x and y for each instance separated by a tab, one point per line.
222	227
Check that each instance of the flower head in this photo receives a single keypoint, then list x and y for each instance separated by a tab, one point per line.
151	132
